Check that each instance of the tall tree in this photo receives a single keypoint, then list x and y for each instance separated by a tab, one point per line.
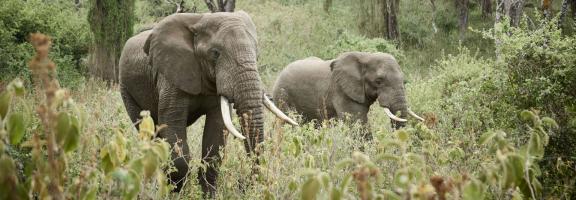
546	7
379	18
514	9
515	12
111	22
486	8
462	8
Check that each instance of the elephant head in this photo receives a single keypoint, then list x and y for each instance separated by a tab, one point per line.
213	54
367	77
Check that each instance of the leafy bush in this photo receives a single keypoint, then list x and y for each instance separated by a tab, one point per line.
541	74
350	42
121	168
69	28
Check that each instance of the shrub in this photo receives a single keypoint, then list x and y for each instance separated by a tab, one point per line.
350	42
541	74
68	27
121	169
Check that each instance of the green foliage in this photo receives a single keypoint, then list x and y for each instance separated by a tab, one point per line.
111	22
347	42
129	165
68	28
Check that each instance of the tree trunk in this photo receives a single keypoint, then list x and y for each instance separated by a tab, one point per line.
392	8
516	12
379	18
486	8
563	11
462	7
546	6
111	22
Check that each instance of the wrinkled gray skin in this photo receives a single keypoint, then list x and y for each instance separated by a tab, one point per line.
348	85
179	69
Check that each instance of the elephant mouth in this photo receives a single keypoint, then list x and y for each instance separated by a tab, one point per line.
226	110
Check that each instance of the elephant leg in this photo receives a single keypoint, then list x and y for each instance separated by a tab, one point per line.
130	104
173	111
354	112
212	141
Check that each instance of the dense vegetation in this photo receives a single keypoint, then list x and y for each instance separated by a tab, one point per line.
484	96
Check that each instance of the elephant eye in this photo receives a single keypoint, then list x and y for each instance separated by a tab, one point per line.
214	53
379	81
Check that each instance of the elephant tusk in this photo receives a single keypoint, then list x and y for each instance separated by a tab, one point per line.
415	115
268	103
392	116
225	108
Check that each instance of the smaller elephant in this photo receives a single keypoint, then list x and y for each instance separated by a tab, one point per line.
347	85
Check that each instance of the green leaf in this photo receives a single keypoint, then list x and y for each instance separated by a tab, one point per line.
403	135
292	186
106	163
62	127
456	153
487	137
514	168
73	136
17	86
547	121
132	185
391	195
120	174
268	195
91	195
310	189
150	163
297	145
401	178
162	149
388	157
535	146
527	115
137	166
345	183
16	127
5	99
473	190
336	194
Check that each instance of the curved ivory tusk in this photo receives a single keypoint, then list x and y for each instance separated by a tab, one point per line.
268	103
225	108
415	115
392	116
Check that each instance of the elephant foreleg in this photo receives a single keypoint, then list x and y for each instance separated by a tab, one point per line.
173	111
212	141
353	112
130	104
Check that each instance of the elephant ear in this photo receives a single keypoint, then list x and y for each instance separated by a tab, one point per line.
171	51
347	72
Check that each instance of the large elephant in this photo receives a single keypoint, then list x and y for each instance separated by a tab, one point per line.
191	65
347	85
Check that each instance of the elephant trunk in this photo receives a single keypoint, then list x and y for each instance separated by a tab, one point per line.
249	107
393	106
403	109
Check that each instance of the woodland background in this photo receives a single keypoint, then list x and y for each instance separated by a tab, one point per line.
494	79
